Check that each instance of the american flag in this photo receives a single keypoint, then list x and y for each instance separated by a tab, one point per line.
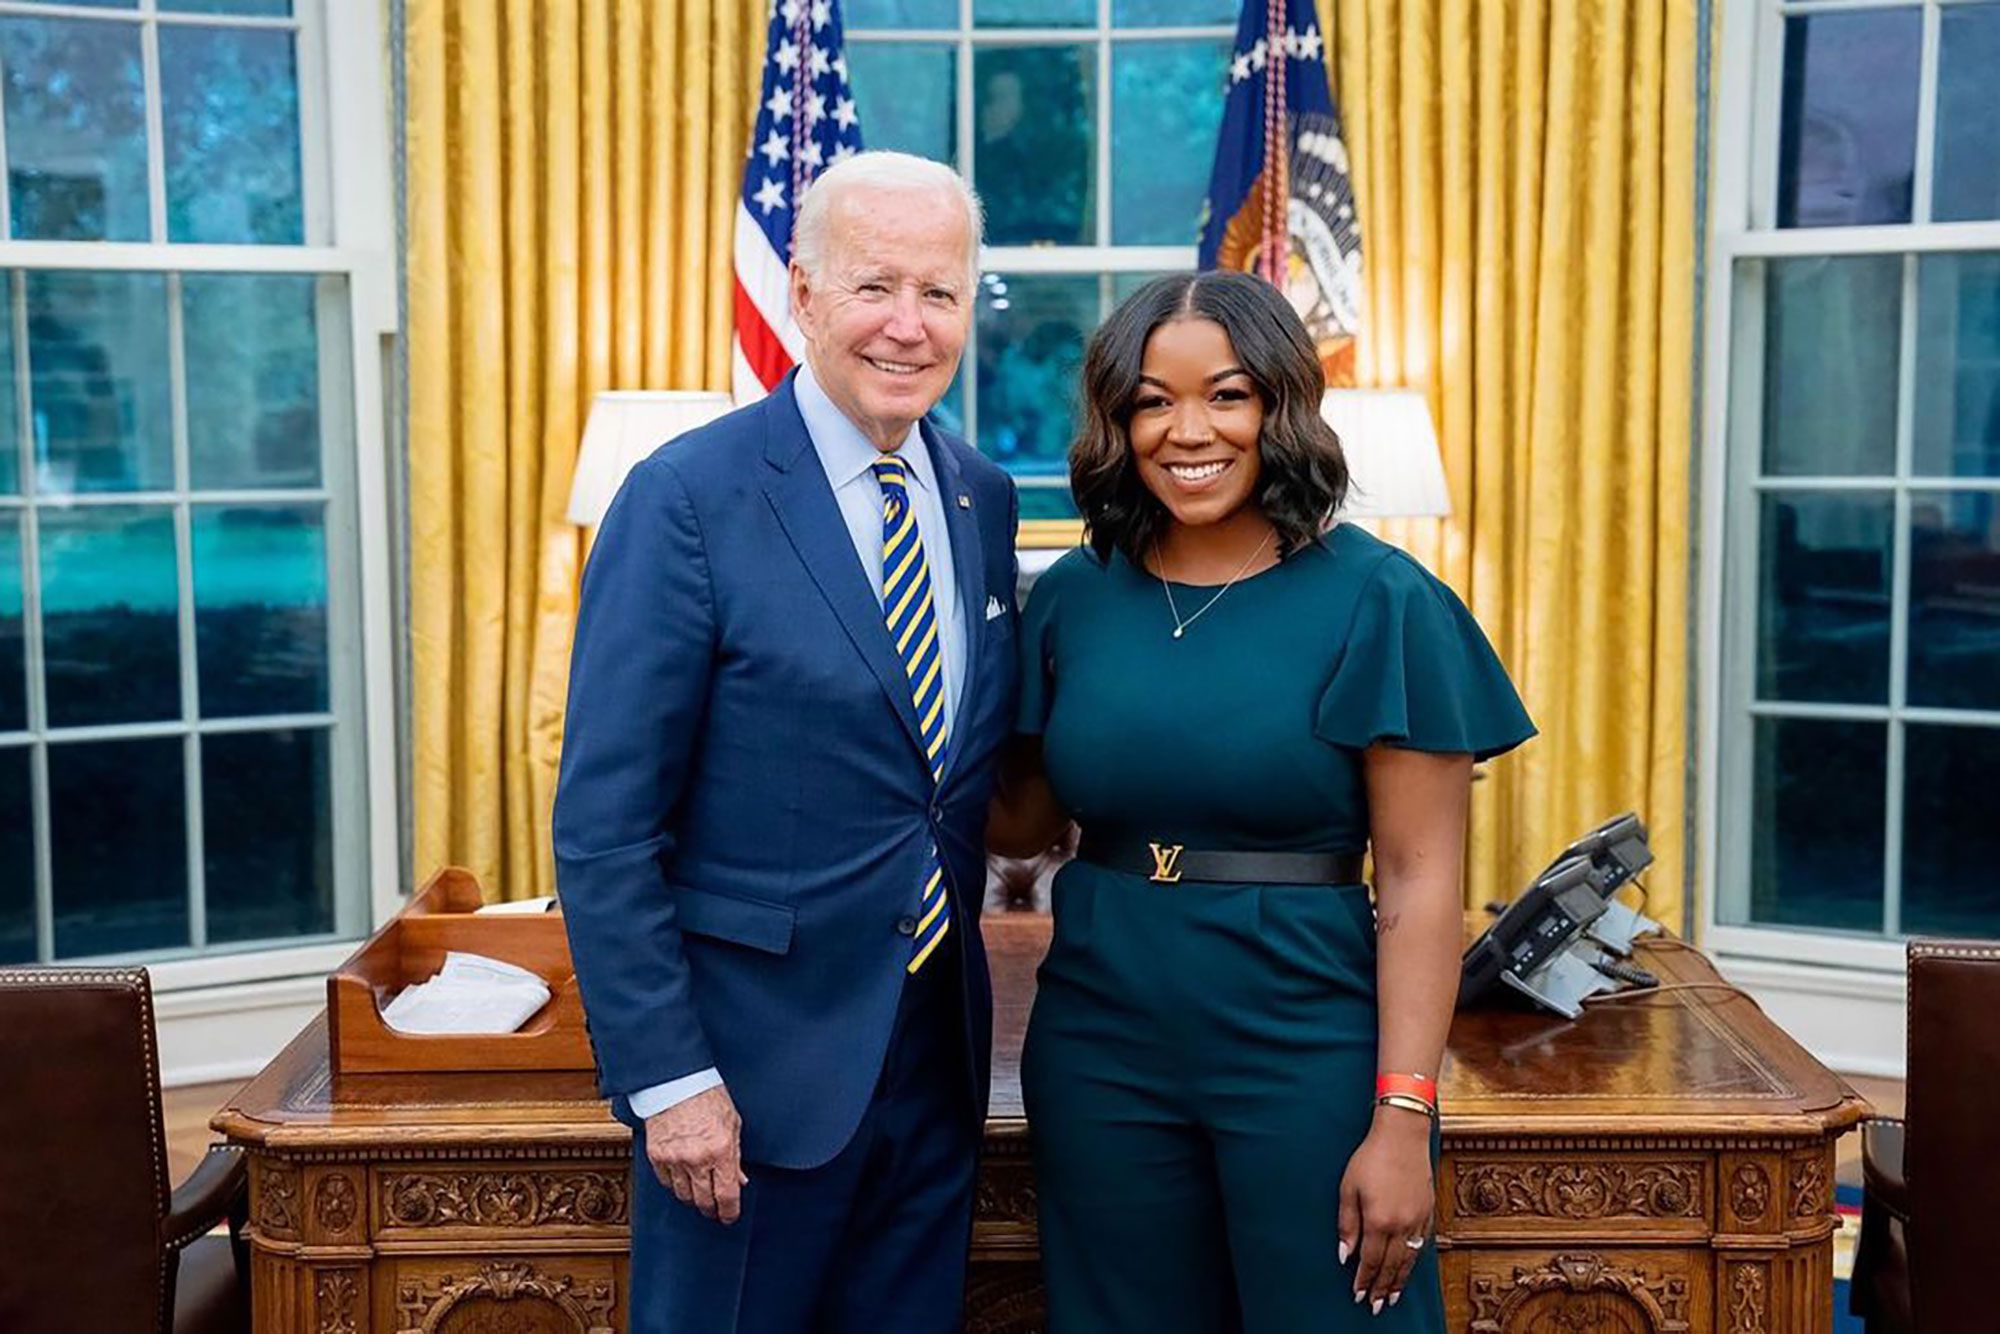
1280	200
805	124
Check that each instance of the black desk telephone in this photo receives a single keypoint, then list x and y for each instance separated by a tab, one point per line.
1566	936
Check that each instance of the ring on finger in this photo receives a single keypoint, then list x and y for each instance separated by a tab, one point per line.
1414	1243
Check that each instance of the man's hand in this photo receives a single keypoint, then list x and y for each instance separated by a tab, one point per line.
696	1149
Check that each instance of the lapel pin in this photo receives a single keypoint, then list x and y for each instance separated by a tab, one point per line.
965	502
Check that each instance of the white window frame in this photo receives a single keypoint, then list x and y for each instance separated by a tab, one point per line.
1744	227
349	214
1101	258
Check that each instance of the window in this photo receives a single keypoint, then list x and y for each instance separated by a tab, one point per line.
1854	362
182	384
1088	128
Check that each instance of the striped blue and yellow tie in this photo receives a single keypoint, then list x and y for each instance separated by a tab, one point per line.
913	626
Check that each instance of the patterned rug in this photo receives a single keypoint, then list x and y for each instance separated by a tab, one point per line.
1847	1203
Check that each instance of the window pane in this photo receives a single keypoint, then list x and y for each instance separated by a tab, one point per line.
1955	600
1817	824
1166	102
13	641
252	379
109	615
17	857
1124	285
950	410
97	359
1830	340
1034	13
229	102
117	894
1848	136
10	406
260	609
1047	501
1951	842
1823	597
1035	112
267	834
907	94
267	8
1031	332
1966	172
863	14
76	130
1171	13
1957	424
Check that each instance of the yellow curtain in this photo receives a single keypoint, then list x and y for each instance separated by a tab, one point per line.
572	173
1525	173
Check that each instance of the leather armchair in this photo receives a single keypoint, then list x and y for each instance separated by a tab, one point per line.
1926	1253
93	1236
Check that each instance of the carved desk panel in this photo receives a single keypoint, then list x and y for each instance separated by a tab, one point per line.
1662	1166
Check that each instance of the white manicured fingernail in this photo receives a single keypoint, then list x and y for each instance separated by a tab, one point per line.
1345	1250
1358	1295
1395	1296
1375	1308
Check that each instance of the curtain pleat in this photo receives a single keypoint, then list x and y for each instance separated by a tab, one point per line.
570	176
1525	174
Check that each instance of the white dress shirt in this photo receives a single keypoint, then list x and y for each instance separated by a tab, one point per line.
848	457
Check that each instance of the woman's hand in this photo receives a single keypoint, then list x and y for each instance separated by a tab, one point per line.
1386	1199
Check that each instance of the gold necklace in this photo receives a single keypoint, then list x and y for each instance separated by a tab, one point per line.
1160	563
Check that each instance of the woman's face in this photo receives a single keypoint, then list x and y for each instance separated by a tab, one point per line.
1196	419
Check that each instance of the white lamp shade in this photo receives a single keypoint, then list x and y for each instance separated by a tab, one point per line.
1394	468
625	426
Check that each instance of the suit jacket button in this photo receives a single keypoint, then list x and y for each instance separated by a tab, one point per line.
906	926
937	815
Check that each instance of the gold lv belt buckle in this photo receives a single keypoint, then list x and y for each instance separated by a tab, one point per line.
1166	863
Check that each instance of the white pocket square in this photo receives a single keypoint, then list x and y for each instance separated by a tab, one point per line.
995	607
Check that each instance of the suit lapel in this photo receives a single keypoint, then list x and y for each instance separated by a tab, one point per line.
797	489
968	563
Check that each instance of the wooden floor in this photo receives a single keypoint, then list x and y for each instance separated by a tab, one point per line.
188	1110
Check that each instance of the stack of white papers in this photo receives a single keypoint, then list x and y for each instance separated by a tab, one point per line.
470	994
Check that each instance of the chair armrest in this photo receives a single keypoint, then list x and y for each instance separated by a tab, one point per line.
216	1190
1883	1182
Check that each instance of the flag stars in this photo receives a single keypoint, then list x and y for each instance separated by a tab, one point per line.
791	9
811	155
815	106
842	152
779	104
1259	54
776	148
770	195
840	67
1239	68
787	58
817	62
844	113
822	13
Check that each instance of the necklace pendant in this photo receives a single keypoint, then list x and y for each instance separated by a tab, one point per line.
1177	631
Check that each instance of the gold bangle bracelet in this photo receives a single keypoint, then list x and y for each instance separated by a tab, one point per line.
1407	1103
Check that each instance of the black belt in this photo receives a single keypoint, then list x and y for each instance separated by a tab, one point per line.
1172	863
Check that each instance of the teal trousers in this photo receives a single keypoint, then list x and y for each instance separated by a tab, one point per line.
1199	1067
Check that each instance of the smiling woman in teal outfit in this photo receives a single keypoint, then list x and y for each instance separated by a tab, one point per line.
1229	1065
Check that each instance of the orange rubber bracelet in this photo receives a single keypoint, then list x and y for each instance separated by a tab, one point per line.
1409	1086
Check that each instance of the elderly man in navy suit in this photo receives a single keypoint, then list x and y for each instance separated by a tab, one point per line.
794	664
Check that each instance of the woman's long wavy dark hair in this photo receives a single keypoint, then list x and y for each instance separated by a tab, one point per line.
1304	476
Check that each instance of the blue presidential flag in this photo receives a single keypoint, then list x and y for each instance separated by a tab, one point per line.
1280	203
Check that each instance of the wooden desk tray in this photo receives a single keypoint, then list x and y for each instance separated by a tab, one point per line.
411	947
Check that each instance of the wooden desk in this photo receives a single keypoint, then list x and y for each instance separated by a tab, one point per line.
1660	1166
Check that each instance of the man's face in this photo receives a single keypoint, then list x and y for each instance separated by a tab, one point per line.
885	320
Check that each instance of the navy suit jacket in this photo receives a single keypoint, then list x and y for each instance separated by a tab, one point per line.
744	808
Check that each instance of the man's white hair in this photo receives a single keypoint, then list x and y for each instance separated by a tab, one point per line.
882	170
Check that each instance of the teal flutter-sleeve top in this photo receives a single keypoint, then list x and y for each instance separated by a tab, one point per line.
1247	732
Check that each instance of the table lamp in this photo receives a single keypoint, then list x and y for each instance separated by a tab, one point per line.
1394	468
625	426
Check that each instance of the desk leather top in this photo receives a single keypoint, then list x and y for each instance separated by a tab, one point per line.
1703	1062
